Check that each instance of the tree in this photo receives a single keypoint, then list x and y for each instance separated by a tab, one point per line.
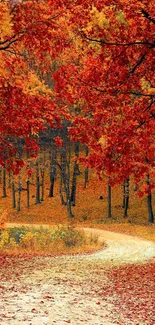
29	30
112	74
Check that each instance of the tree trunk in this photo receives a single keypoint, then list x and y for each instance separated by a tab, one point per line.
126	198
73	192
76	172
61	190
86	172
65	174
52	181
42	184
52	171
13	196
67	181
9	180
37	185
123	203
62	176
28	193
69	208
109	201
149	202
19	195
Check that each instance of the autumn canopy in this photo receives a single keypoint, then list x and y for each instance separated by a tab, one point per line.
91	63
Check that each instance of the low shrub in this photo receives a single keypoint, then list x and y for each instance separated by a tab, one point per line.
41	239
16	233
70	236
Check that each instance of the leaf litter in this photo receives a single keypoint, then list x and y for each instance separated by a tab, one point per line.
96	289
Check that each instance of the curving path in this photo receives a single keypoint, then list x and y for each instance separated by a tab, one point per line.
121	248
67	289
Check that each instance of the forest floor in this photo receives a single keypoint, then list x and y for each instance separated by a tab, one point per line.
112	286
115	285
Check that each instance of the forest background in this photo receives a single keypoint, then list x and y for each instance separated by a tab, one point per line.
77	113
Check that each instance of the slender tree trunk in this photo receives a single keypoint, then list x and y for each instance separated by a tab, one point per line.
37	190
19	195
52	181
109	201
123	203
61	190
9	180
67	187
65	175
28	193
69	208
86	172
65	168
76	172
53	156
73	192
4	180
126	202
42	184
62	176
13	196
37	185
149	202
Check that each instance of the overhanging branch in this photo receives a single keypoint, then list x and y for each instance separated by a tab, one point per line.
103	42
147	15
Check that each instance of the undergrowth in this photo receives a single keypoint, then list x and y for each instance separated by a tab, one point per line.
62	239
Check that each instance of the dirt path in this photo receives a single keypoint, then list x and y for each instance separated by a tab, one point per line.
61	290
122	248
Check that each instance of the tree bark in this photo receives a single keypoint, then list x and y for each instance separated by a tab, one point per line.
19	195
109	201
126	198
9	180
69	208
62	176
65	174
37	185
61	190
123	203
28	193
13	196
53	156
86	172
76	172
149	202
42	183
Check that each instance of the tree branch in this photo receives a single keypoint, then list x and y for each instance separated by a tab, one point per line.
138	62
101	41
152	115
8	45
119	92
147	15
